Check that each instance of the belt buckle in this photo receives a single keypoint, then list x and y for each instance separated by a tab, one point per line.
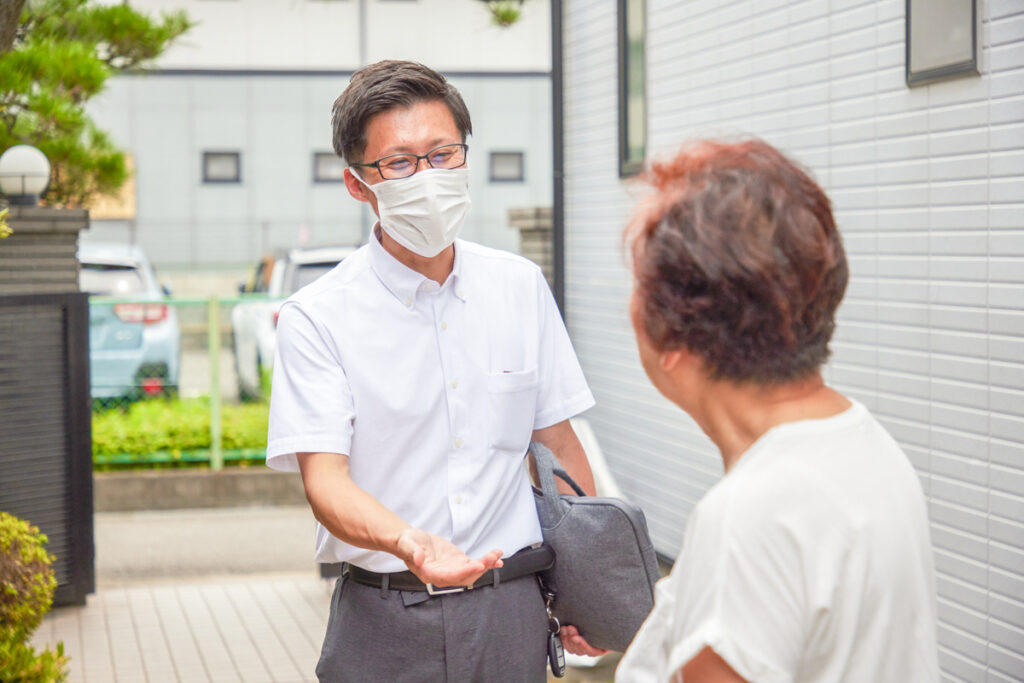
444	591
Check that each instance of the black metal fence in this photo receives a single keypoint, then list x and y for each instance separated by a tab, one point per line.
45	445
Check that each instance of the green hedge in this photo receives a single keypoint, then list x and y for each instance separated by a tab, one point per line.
176	427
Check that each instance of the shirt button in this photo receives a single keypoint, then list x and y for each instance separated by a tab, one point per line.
455	384
458	500
408	302
458	443
461	293
444	325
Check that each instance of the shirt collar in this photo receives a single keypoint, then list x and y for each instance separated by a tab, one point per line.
404	282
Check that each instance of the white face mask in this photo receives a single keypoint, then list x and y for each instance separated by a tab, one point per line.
424	212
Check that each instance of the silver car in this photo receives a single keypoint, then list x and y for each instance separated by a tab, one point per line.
134	345
254	323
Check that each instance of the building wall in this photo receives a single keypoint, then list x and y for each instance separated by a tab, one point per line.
451	35
928	190
259	78
277	123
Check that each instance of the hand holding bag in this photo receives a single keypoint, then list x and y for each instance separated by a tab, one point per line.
605	567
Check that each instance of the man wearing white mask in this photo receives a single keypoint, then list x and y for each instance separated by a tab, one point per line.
407	386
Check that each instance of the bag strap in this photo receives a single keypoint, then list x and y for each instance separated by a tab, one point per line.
548	468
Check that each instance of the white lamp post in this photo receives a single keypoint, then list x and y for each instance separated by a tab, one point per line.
24	174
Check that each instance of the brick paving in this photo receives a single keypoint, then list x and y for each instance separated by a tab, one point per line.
206	596
249	629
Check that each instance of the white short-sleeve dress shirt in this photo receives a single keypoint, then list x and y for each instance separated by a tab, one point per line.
431	390
809	562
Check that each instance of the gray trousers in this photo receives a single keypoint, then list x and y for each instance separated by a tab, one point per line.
487	634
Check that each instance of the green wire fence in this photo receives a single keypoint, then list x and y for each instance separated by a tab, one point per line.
216	455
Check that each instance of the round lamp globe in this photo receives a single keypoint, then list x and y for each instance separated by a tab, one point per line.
24	174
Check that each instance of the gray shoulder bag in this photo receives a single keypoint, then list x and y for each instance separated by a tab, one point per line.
605	566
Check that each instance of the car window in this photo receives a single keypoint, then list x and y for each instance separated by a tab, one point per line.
305	273
109	280
259	278
252	285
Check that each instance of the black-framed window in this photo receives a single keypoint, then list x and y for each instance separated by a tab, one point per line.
632	86
222	167
507	167
328	167
941	40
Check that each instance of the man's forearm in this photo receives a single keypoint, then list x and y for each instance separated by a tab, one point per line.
357	518
347	511
566	446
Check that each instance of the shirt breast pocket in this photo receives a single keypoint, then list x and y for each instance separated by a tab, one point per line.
513	403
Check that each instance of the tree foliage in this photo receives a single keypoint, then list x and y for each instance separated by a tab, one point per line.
62	53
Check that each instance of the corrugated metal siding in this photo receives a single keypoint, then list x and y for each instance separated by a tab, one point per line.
33	452
928	189
45	452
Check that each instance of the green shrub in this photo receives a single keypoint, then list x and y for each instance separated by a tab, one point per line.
175	427
20	663
26	578
26	593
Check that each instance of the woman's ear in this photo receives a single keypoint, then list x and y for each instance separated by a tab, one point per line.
681	360
671	359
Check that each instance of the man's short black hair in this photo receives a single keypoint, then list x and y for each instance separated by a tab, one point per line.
387	85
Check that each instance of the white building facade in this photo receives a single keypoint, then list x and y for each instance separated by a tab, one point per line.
928	189
230	133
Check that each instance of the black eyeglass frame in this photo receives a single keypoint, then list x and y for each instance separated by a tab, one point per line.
416	166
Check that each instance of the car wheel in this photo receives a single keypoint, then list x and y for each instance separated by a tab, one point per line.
247	394
244	394
263	379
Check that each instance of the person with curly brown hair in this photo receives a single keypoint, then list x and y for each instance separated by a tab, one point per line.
810	560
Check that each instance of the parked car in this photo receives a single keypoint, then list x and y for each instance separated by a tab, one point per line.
134	345
254	323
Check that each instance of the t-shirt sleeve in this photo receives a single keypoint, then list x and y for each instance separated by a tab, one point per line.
563	389
739	591
311	408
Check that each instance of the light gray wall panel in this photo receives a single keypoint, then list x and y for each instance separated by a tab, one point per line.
928	189
509	115
641	434
163	137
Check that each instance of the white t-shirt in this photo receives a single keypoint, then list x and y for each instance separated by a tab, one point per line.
432	391
809	561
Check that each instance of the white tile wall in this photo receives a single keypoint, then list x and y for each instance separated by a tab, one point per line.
928	189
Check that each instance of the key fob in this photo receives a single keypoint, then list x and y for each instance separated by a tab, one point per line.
556	655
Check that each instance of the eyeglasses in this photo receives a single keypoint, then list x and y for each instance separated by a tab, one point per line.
395	166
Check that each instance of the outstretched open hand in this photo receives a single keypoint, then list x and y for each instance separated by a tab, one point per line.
438	561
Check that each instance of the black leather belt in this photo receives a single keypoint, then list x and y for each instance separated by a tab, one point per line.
526	561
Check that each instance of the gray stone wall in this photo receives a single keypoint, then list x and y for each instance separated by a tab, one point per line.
535	225
41	256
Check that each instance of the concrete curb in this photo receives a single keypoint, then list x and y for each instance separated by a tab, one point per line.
179	489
